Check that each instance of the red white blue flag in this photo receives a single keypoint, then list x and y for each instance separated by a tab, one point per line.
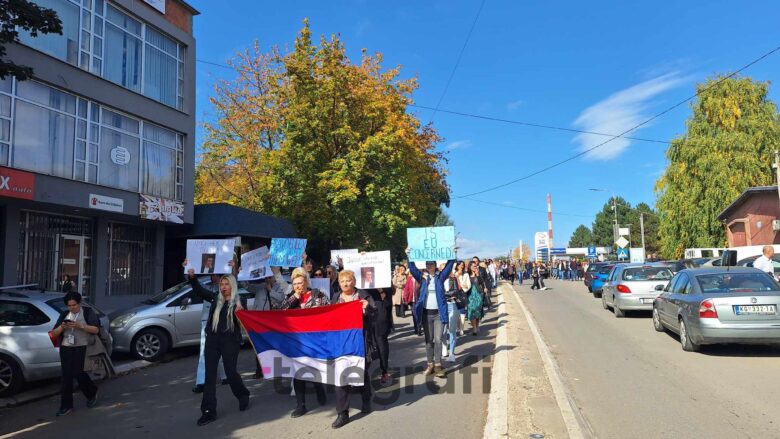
323	344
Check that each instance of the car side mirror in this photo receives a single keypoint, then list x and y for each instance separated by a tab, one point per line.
185	303
660	287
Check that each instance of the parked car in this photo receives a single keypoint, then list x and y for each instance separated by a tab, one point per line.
168	320
599	277
590	273
748	262
26	352
632	287
682	264
719	305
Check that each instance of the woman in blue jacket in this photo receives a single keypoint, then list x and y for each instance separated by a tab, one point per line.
431	310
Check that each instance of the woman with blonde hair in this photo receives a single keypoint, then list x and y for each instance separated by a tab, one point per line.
304	297
223	340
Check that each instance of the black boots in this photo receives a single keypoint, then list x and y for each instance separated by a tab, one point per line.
341	420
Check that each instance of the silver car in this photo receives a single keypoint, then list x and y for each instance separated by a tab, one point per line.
26	351
632	287
720	305
168	320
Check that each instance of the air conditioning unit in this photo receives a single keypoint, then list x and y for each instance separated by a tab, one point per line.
776	225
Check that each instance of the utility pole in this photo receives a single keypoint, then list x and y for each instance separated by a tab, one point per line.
777	170
642	228
615	226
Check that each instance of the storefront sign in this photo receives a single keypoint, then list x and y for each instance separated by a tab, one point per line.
17	184
157	4
160	209
120	155
103	202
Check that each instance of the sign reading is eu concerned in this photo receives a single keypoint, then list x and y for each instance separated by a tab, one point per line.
431	243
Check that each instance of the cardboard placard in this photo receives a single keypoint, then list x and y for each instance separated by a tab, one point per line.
372	269
431	243
287	252
210	256
254	264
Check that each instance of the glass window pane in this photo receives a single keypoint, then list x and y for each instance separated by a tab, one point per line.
6	84
98	29
87	4
50	97
44	142
119	158
93	174
99	7
93	153
5	105
160	76
122	60
97	66
159	171
4	148
94	113
179	159
93	132
119	121
160	135
97	47
84	61
162	42
65	46
81	132
81	150
80	171
5	130
178	192
86	19
123	21
85	38
83	108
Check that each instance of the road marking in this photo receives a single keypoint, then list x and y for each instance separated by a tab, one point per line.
497	425
574	423
26	430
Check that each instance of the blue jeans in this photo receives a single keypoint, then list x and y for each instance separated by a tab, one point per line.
452	326
200	375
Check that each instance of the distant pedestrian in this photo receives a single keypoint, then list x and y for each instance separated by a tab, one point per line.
399	282
474	310
67	285
764	262
73	329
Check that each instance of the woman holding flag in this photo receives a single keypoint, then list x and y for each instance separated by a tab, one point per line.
223	340
304	297
350	294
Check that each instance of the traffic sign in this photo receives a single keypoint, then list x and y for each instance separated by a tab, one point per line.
622	253
558	251
621	242
592	251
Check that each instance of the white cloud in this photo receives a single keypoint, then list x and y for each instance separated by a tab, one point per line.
514	105
618	113
458	144
469	248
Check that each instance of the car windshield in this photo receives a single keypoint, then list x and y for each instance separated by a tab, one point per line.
593	267
605	269
172	291
647	273
722	283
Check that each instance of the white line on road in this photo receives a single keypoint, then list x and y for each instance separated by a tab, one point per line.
568	411
497	425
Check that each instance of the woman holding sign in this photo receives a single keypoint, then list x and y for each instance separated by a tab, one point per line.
431	310
223	340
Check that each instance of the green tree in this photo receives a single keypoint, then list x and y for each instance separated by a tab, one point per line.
652	239
443	219
603	224
731	134
26	15
582	237
325	142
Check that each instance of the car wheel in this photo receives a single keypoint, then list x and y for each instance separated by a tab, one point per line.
604	302
685	339
657	325
597	294
619	313
11	379
150	344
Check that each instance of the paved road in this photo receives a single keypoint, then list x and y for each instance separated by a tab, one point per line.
157	402
630	381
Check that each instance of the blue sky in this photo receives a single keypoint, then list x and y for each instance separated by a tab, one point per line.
600	66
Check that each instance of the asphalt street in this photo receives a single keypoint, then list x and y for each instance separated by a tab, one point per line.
630	381
157	402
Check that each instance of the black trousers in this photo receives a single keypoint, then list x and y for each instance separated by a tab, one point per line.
400	310
383	346
300	391
343	393
536	286
72	365
227	347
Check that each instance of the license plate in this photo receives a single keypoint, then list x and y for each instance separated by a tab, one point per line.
741	310
645	301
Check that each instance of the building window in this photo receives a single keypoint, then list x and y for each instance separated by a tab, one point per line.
43	142
130	260
161	162
122	50
162	78
65	46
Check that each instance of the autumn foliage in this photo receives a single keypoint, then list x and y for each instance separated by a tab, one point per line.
327	143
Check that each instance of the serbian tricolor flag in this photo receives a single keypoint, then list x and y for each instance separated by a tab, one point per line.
323	344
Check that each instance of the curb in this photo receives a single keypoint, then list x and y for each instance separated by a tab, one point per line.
497	425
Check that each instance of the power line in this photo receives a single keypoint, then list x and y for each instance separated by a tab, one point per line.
525	208
460	55
533	125
211	63
564	161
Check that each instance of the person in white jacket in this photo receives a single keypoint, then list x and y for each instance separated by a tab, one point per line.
464	281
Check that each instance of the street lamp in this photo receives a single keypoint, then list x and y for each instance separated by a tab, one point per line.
614	210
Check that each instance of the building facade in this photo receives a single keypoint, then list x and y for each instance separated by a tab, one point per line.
750	219
97	151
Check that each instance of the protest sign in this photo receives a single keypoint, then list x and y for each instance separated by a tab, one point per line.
372	269
336	254
287	252
320	283
210	256
254	264
431	243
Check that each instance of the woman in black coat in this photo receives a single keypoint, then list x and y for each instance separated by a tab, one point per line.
223	339
382	323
